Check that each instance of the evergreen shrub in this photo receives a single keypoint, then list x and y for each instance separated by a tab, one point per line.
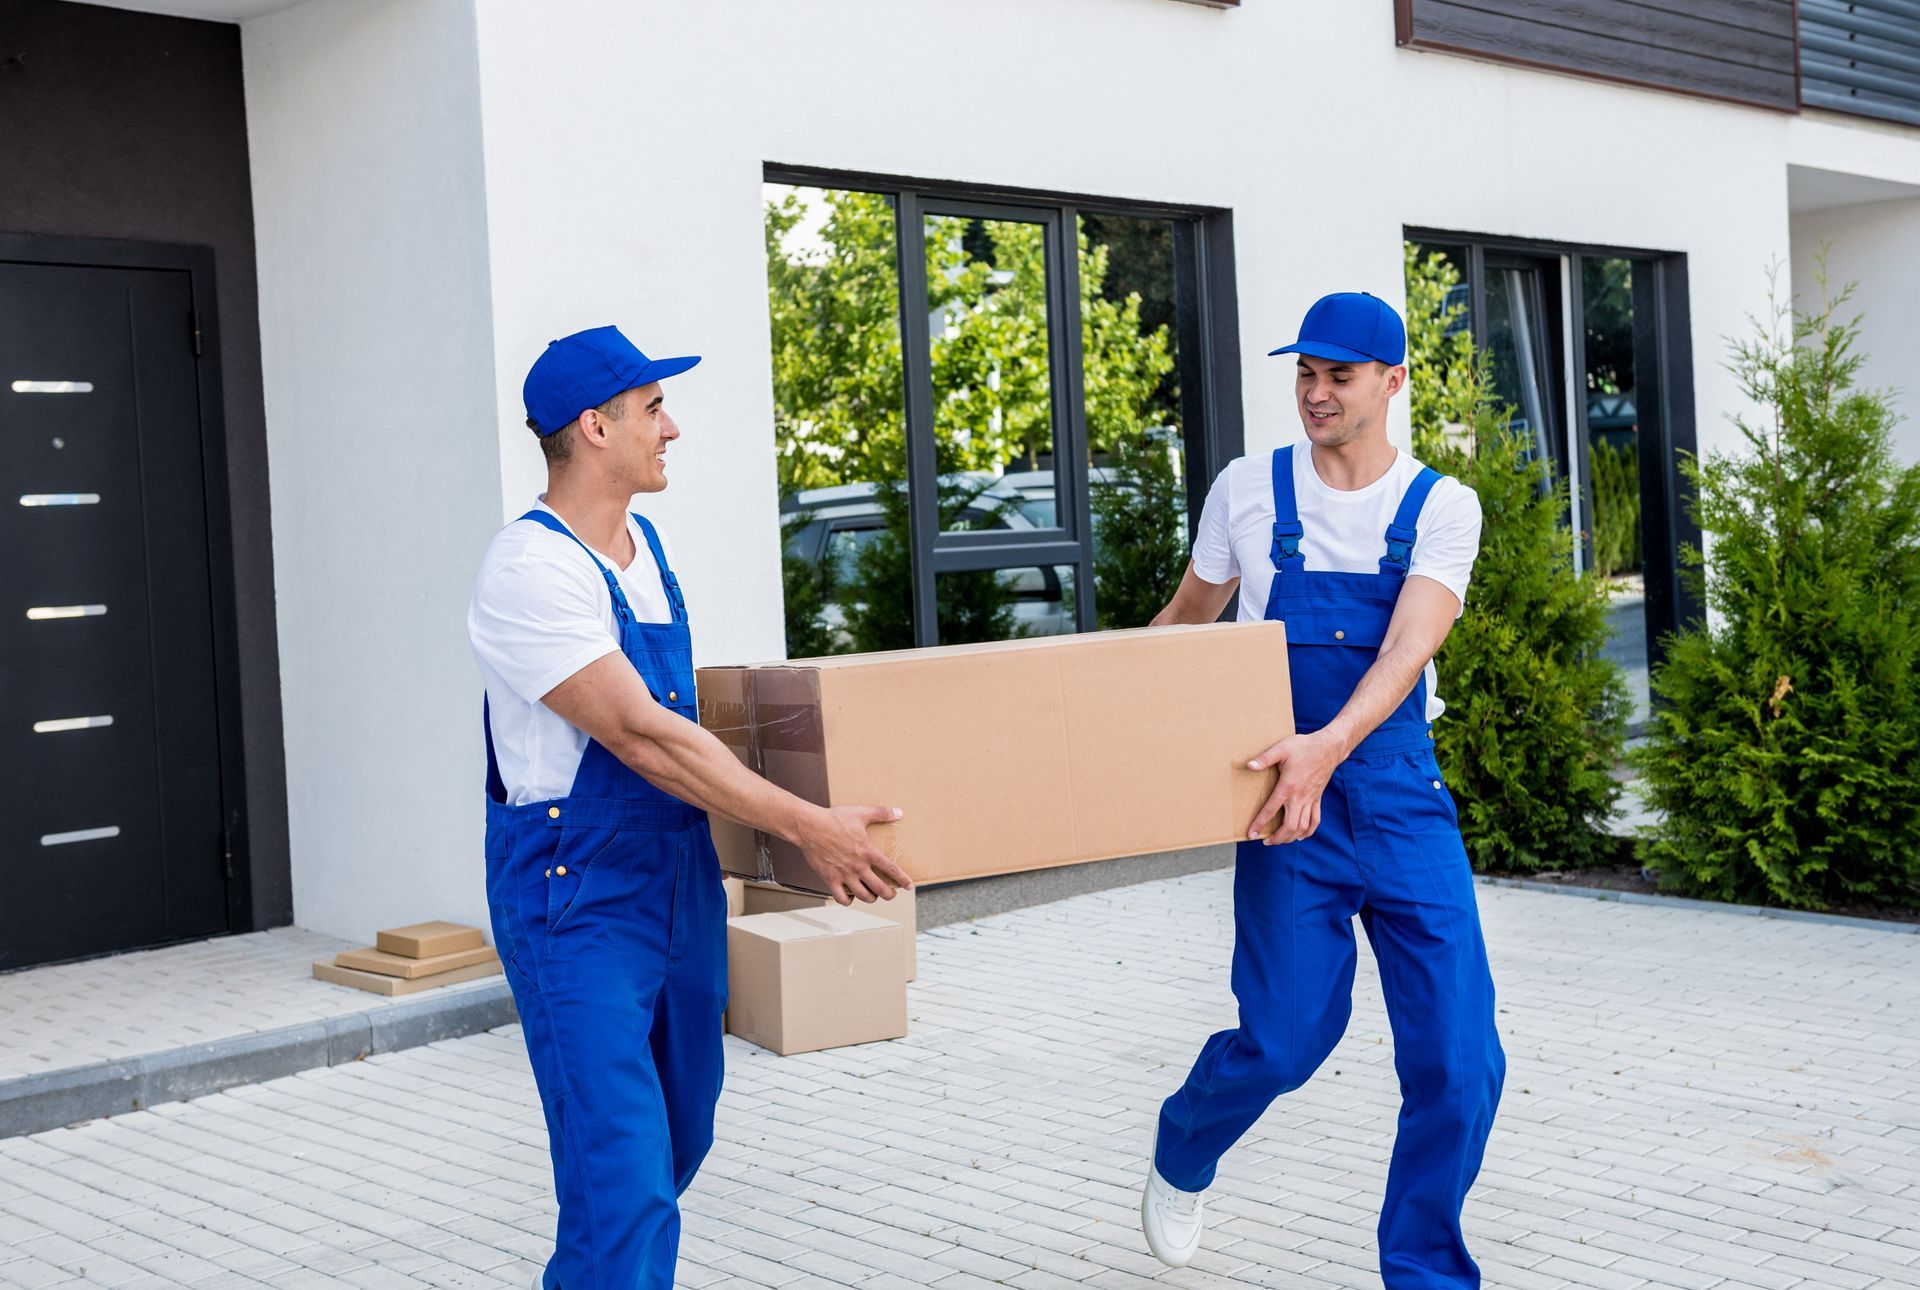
1535	715
1782	757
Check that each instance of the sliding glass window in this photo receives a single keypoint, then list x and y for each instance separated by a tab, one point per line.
989	409
1589	352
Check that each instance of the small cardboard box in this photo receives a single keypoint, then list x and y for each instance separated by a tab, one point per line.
385	964
425	940
1014	755
822	978
765	898
375	983
736	896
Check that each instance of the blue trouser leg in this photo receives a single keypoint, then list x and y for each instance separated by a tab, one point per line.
1389	849
1293	963
1424	927
687	1018
620	976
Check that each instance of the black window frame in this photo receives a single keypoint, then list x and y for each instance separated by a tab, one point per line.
1663	390
1206	324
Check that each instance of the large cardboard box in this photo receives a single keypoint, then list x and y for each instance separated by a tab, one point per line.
765	898
1015	755
819	978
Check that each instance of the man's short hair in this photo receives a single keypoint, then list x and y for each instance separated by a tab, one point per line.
558	446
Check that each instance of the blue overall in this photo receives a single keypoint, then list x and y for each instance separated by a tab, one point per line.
1388	849
609	915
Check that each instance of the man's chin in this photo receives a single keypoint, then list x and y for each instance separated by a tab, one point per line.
1328	436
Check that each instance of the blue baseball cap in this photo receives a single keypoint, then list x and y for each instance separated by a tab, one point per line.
1351	327
586	369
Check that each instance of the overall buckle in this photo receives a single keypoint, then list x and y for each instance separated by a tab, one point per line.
1399	546
1286	541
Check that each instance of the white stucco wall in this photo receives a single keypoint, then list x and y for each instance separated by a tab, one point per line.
625	147
443	186
1876	246
375	334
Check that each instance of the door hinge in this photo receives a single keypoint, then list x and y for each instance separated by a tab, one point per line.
226	853
193	318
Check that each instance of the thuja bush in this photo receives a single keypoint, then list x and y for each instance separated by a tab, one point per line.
1782	757
1535	715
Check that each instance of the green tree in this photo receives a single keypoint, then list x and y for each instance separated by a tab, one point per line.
1783	757
808	587
839	405
839	385
1140	517
878	595
1616	506
1535	716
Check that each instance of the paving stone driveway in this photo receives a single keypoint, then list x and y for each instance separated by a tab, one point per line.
1695	1099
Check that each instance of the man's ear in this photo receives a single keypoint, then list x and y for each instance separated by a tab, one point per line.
592	427
1396	379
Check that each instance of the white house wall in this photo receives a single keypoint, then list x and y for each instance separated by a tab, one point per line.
1876	246
444	186
625	146
375	335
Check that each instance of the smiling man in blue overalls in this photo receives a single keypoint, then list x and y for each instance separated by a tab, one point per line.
1365	554
605	892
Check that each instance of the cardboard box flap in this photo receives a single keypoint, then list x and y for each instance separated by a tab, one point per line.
807	925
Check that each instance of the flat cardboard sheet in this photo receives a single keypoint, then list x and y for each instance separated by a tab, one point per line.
384	964
375	983
425	940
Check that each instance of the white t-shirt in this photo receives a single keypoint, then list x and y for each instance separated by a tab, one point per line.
540	612
1346	532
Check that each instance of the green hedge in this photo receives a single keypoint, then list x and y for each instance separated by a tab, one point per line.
1535	716
1786	740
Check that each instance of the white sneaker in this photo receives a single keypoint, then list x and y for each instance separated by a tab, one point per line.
540	1279
1172	1219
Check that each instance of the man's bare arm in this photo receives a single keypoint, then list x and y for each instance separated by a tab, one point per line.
609	701
1196	600
1421	620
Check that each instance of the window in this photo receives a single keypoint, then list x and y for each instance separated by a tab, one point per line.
996	415
1589	351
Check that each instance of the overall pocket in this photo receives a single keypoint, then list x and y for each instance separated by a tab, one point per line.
571	869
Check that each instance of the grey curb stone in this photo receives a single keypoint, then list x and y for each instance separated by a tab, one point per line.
35	1103
1713	906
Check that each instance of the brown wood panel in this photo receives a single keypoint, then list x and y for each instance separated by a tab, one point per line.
1741	50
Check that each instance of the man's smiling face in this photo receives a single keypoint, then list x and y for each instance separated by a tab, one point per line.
1339	401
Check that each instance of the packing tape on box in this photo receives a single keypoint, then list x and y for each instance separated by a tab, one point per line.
777	730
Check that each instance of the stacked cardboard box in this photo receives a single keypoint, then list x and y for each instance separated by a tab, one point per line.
804	973
821	976
771	898
408	959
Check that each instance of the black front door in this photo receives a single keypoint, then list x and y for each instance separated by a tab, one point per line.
109	729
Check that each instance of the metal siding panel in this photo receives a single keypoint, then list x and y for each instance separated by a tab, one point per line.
1862	57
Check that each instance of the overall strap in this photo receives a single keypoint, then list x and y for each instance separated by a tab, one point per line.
1400	533
547	519
667	580
1286	516
496	787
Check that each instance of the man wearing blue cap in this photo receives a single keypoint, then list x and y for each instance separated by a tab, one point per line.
1364	553
606	899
